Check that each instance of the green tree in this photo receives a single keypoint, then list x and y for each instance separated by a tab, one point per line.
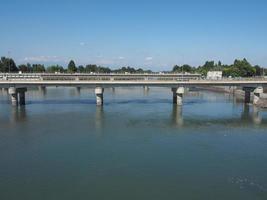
244	67
8	65
23	68
91	68
38	68
54	68
183	68
72	67
259	70
81	69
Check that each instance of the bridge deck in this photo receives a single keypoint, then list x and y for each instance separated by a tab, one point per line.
157	83
160	80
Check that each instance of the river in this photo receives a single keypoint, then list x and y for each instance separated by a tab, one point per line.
137	146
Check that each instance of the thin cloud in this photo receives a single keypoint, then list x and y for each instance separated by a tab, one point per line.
149	58
121	58
43	59
82	43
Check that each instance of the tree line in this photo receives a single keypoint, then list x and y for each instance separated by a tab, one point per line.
8	65
240	68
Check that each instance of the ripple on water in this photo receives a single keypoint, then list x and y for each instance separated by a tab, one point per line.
247	183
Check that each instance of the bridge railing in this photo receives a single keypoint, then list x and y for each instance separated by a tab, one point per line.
101	77
116	77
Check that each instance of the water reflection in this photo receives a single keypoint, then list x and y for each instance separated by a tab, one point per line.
251	114
99	117
42	90
256	116
177	115
18	114
4	90
73	92
145	90
78	91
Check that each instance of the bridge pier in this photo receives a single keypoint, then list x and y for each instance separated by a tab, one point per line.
17	95
14	95
257	92
178	95
99	96
248	91
21	92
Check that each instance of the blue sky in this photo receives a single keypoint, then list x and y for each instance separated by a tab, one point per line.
150	34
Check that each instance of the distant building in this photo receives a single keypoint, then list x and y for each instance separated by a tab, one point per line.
214	75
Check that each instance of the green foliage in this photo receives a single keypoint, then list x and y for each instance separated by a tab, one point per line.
131	70
23	68
259	70
209	66
97	69
81	69
72	67
38	68
55	68
240	68
183	68
7	65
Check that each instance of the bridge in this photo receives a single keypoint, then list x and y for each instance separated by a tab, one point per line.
17	84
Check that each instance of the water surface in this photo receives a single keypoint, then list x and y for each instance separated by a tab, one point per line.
137	146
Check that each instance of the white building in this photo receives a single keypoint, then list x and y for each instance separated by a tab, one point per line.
214	75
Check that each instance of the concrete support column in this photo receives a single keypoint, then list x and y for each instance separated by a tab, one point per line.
14	95
257	92
21	92
247	96
178	95
248	91
99	96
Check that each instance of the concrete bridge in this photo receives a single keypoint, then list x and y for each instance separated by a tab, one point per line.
17	84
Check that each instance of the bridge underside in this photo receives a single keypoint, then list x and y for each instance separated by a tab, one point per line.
17	91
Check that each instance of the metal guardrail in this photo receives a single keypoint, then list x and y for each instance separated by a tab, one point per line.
117	77
100	77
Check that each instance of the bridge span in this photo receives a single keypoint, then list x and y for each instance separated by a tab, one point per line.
17	84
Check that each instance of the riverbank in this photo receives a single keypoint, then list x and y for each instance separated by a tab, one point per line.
238	92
